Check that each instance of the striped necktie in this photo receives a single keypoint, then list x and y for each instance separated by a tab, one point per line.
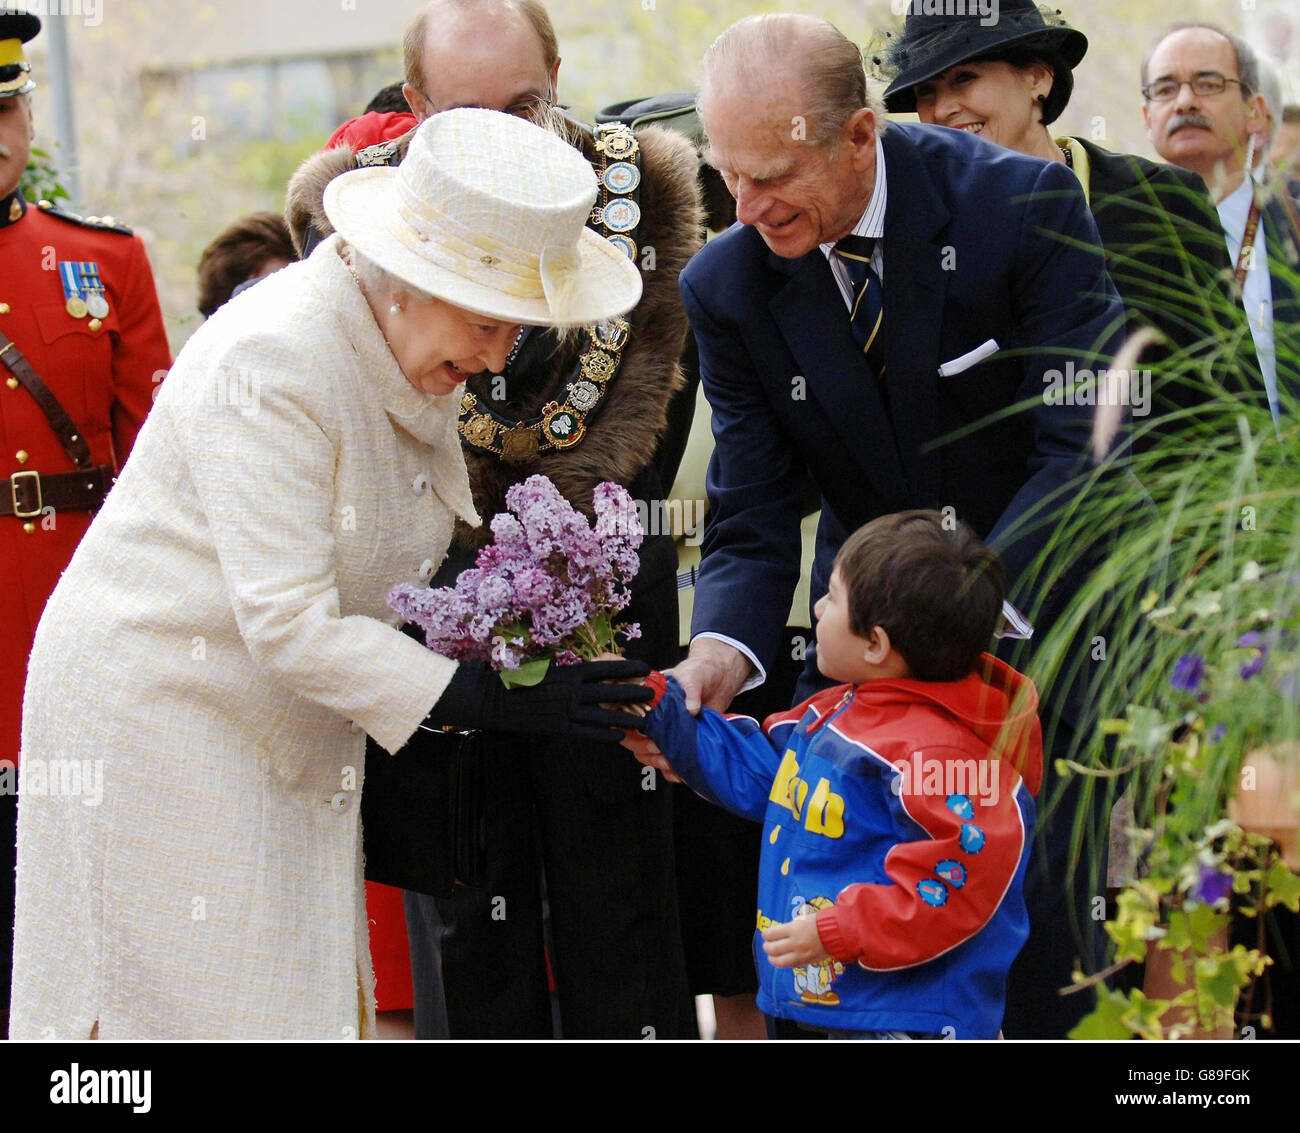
868	298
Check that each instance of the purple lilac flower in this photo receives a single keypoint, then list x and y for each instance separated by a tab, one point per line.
631	631
548	573
1189	671
1218	732
1212	886
506	654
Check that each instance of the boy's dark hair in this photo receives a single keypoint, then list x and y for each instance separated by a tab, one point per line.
930	584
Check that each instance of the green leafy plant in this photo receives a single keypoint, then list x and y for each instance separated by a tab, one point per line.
40	180
1183	628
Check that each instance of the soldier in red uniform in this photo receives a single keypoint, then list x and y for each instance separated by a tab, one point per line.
82	348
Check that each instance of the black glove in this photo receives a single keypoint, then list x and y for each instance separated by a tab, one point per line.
566	702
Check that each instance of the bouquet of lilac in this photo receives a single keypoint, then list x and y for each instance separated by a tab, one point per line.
548	588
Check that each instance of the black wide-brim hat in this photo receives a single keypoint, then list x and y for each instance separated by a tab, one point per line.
931	44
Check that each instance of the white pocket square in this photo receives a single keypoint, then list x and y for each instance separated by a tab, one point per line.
969	359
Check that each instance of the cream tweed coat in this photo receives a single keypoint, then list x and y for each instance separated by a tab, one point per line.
220	641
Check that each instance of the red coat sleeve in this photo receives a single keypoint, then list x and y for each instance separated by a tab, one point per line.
140	352
943	887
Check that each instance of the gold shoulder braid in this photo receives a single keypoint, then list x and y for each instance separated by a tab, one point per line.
562	424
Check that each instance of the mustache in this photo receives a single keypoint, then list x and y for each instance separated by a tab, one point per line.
1190	118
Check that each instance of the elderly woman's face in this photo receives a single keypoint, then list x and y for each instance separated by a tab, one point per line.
992	99
438	346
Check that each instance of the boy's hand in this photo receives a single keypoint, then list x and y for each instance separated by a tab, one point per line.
795	942
647	754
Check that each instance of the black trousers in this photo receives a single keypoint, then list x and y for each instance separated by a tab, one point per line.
598	827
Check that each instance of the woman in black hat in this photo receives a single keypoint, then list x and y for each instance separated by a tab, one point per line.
1007	81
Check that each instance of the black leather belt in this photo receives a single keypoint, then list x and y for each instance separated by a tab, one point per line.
25	495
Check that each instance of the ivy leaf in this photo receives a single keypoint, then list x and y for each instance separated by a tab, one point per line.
1143	1016
1106	1020
1283	887
1220	978
1133	925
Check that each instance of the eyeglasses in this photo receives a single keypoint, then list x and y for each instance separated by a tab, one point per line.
535	108
1206	85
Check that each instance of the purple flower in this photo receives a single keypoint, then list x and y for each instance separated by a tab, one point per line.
1254	665
1218	732
1189	671
1212	886
632	631
505	655
530	594
1253	639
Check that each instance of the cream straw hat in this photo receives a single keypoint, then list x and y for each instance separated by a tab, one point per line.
488	212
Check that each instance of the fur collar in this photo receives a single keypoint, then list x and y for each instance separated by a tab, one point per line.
622	437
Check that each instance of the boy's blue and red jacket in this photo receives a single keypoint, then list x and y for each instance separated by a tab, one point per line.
909	805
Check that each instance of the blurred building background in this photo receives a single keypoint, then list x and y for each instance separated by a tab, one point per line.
191	115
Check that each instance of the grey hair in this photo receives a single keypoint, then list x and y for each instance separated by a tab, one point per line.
1270	86
376	281
827	64
1247	60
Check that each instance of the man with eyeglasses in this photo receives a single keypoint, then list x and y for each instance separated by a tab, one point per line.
587	818
1203	111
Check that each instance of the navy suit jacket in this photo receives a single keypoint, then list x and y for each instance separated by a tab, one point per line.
1282	230
979	243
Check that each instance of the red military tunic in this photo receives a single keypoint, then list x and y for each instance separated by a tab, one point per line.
103	371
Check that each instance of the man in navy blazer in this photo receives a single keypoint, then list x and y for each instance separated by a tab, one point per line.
993	288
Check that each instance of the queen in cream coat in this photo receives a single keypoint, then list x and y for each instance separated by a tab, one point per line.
288	476
220	643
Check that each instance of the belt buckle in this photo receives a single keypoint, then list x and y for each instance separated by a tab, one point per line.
35	478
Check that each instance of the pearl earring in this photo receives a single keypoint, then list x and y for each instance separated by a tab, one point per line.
395	309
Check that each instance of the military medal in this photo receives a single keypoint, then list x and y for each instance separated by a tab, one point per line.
96	304
81	288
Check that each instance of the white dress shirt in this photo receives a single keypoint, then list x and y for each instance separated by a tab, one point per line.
871	223
1257	294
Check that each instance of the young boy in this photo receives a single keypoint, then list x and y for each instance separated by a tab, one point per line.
898	807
